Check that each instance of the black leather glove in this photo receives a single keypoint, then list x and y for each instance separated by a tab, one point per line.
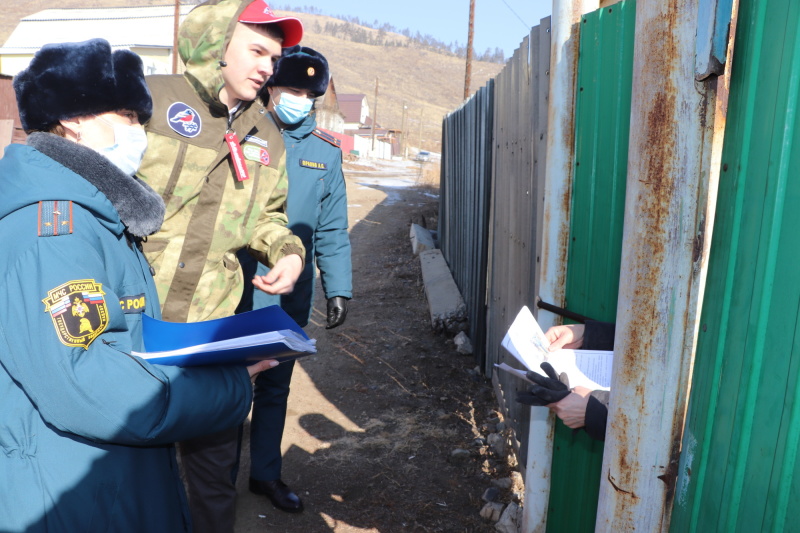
546	390
337	311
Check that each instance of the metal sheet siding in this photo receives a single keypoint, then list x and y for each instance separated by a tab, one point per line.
598	200
739	469
518	139
601	159
493	160
465	189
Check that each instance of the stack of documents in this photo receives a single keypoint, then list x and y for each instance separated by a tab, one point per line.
267	333
525	340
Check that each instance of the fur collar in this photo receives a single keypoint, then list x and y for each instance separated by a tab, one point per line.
140	208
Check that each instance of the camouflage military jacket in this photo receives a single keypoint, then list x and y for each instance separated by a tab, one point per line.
211	214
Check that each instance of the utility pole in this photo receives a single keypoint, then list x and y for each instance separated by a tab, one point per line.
175	37
468	77
375	115
403	133
420	129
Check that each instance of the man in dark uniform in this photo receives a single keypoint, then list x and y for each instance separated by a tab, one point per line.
317	211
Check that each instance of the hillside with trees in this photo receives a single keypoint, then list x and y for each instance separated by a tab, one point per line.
413	71
352	29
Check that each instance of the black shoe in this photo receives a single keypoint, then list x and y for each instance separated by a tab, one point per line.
278	493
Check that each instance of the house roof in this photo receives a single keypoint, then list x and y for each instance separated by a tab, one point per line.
123	27
352	97
350	106
330	100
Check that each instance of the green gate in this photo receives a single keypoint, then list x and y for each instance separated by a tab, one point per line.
602	122
739	469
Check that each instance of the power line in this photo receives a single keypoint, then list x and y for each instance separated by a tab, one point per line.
527	27
470	39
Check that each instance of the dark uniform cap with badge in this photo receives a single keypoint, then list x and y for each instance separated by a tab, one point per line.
301	67
68	80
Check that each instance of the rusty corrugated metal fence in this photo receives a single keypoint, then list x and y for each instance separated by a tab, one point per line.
738	457
739	469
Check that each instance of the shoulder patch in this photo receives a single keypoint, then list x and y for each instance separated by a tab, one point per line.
55	218
79	312
184	120
327	137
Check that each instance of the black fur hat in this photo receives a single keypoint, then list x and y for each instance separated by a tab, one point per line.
67	80
301	67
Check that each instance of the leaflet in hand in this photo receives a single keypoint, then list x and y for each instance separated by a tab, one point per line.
267	333
525	340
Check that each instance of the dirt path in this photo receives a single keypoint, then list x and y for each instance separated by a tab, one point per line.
374	416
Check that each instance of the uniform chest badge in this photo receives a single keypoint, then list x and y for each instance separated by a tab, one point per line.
256	153
78	310
184	120
257	140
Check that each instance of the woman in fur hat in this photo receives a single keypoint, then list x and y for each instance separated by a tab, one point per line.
86	428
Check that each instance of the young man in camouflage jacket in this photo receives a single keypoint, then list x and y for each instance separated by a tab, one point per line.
221	171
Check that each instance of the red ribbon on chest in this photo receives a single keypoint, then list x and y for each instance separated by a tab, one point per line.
237	156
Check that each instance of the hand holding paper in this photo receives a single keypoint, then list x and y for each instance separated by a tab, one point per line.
545	390
256	369
569	336
572	410
528	344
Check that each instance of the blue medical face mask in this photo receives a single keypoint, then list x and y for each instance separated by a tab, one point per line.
127	152
292	109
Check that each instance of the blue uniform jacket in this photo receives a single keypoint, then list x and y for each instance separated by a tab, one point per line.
317	211
85	427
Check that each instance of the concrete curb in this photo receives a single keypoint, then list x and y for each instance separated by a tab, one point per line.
421	239
446	305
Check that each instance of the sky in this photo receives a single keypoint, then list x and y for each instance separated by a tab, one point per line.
498	23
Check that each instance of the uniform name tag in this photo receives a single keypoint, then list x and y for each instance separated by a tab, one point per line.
133	304
313	164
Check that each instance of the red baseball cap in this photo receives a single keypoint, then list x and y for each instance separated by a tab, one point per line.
259	12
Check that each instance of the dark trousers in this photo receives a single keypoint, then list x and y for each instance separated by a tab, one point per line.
267	421
271	393
210	464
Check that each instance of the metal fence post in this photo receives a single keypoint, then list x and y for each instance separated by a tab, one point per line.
553	252
673	138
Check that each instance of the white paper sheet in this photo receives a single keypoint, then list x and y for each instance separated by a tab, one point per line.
285	336
525	340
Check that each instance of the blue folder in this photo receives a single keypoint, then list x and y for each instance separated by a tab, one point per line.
160	336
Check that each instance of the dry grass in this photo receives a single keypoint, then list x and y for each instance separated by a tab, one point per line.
428	174
429	84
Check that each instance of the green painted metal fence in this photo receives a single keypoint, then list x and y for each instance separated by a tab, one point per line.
739	469
598	200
